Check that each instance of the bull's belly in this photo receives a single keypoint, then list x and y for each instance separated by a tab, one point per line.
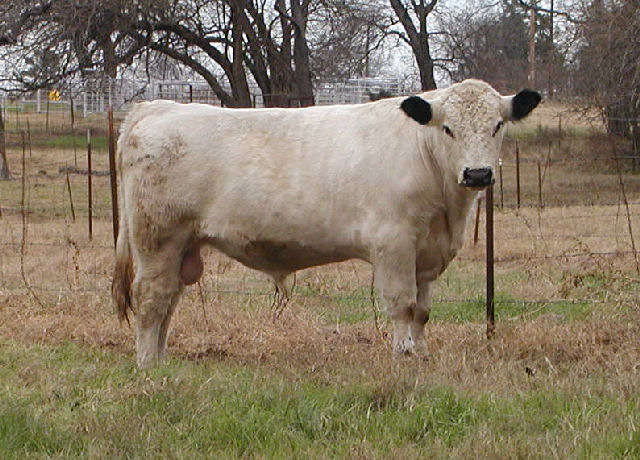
279	256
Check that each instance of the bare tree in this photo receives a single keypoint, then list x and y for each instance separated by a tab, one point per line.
489	44
81	35
413	15
494	44
608	63
346	36
226	42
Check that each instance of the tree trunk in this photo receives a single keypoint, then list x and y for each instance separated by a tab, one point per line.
238	78
532	48
4	166
425	66
304	85
110	61
418	37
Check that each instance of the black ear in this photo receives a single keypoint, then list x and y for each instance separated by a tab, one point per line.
418	109
523	103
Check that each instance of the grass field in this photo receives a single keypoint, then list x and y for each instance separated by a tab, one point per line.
561	378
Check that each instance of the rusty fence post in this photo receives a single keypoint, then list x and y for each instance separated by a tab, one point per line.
72	113
501	184
475	230
29	139
539	186
73	211
89	194
517	175
491	325
112	176
46	122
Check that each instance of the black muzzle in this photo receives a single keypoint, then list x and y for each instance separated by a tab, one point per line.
478	177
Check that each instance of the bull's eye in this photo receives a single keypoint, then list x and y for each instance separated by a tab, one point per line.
497	128
448	131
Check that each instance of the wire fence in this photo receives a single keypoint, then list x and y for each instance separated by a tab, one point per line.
59	110
573	207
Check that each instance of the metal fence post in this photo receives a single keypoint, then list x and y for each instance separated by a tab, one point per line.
475	229
517	175
89	194
112	176
491	326
539	186
501	184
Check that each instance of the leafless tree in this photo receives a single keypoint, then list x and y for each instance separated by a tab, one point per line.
494	44
60	38
489	44
412	15
227	42
608	63
347	36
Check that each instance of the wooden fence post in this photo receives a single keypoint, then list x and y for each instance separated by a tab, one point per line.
73	117
475	230
501	184
112	176
89	194
29	139
539	186
491	324
4	165
73	211
517	175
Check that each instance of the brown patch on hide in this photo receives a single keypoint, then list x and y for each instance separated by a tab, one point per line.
132	141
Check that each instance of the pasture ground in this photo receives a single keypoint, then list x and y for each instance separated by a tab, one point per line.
561	378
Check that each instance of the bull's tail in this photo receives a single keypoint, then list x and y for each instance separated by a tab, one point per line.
122	274
123	271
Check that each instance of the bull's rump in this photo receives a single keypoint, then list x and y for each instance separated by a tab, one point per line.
268	187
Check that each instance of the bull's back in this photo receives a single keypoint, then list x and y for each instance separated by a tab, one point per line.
292	179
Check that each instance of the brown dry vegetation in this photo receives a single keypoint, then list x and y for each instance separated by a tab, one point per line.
567	287
542	254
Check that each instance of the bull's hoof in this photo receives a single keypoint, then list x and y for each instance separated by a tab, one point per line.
148	361
404	347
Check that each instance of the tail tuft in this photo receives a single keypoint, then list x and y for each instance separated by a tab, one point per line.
122	279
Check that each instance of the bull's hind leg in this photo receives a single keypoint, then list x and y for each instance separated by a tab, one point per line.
156	290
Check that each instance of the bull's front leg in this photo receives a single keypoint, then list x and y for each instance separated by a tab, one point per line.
422	310
395	279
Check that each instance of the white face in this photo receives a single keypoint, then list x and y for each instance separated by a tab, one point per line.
471	129
467	120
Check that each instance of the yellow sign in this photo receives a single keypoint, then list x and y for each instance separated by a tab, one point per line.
54	95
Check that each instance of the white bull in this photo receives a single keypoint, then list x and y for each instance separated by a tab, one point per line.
390	182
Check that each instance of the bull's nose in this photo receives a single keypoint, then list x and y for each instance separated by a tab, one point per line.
477	177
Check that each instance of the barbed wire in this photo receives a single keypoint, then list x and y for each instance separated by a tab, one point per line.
550	256
360	297
506	162
509	206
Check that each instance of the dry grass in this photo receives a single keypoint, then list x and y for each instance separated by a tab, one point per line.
580	333
229	315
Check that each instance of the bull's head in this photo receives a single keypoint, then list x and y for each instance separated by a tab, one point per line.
468	118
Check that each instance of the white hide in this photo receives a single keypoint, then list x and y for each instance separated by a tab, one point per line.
284	189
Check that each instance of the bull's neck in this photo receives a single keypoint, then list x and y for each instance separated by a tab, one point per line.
453	200
459	200
458	204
